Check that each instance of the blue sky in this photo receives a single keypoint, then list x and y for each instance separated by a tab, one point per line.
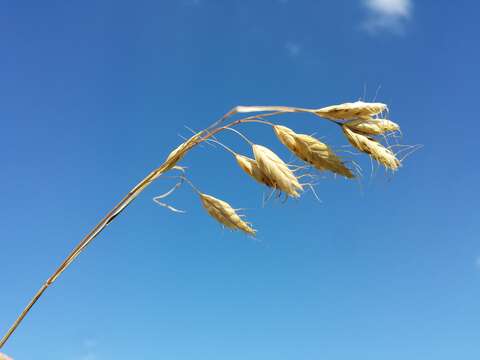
94	95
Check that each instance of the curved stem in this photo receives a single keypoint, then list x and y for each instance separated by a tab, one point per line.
223	146
132	195
259	121
82	245
240	134
184	178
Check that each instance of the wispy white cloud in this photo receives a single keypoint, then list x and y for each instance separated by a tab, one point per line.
387	15
293	49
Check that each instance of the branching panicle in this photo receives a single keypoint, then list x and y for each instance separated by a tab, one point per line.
359	121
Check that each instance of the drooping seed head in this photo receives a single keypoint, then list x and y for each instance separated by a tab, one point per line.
250	166
373	148
312	150
349	111
276	170
225	214
371	126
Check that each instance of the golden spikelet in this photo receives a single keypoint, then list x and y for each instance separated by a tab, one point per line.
312	150
176	155
225	214
373	148
371	126
250	166
348	111
277	171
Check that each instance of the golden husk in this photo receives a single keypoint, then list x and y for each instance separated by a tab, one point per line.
277	171
373	148
312	151
177	154
371	126
225	214
250	166
349	111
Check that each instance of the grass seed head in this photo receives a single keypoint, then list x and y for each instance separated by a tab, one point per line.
277	171
371	126
312	151
250	166
225	214
349	111
373	148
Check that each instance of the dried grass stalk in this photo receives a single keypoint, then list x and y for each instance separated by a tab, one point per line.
225	214
249	109
312	151
277	171
373	148
349	111
371	126
251	167
267	168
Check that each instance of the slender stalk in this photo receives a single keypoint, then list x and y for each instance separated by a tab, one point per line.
82	245
132	195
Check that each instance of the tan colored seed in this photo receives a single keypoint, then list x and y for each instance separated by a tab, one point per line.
348	111
225	214
371	126
277	171
176	155
312	150
322	156
250	166
373	148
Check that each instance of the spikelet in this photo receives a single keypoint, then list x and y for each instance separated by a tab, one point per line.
250	166
287	137
348	111
277	171
312	150
225	214
321	156
177	154
4	357
373	148
371	126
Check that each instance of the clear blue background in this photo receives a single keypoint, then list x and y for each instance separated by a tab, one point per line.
93	95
